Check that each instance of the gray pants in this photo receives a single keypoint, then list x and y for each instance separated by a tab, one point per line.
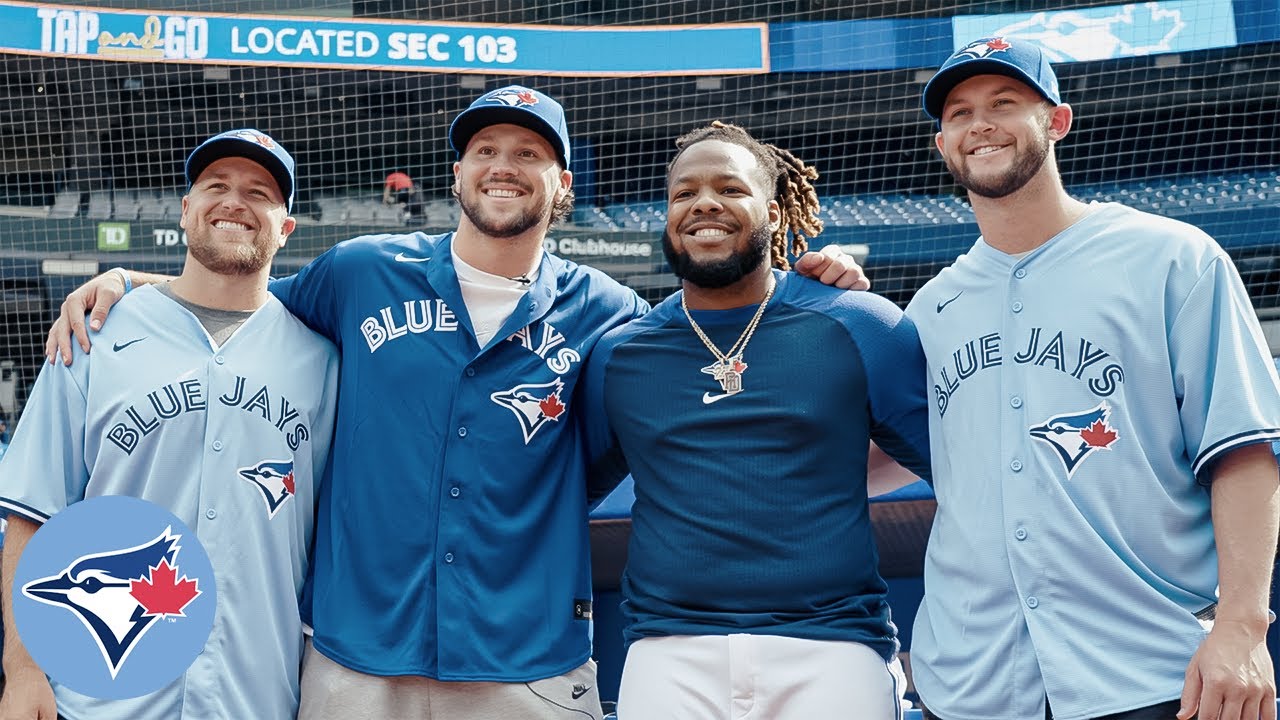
334	692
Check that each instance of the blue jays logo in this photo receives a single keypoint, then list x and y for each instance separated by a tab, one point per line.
984	48
117	595
114	597
534	405
1076	436
274	480
515	98
257	137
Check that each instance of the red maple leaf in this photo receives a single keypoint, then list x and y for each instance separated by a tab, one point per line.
551	406
998	44
1098	435
163	593
739	366
288	483
527	97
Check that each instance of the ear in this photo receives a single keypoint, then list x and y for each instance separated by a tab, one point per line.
937	142
1060	117
457	171
775	214
182	219
287	229
566	184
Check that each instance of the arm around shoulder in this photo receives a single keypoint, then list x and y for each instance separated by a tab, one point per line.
98	295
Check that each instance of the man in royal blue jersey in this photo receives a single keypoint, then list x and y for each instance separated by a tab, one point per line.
744	406
451	573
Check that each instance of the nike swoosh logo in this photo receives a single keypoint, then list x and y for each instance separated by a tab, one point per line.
580	690
942	305
708	398
401	257
120	346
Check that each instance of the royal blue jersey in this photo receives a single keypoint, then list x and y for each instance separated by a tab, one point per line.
452	541
751	511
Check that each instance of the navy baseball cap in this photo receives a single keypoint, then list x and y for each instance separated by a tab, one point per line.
1018	59
246	143
516	105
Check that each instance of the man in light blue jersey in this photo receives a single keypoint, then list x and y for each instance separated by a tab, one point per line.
1104	403
246	482
452	576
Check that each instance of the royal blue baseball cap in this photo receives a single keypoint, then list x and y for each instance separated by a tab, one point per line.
517	105
1018	59
246	143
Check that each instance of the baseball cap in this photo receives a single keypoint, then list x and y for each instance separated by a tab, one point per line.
517	105
246	143
1018	59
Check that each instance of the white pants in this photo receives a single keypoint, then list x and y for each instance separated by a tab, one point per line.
331	691
757	677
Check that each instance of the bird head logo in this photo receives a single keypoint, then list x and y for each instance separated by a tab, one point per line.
274	480
515	97
534	405
983	48
1076	436
118	595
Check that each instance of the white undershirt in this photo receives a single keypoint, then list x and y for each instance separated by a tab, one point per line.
490	298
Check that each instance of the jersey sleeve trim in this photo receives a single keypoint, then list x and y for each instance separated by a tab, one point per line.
26	511
1231	443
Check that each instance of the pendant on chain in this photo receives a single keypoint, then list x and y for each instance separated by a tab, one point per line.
728	373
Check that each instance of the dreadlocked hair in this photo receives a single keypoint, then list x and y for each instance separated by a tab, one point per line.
792	182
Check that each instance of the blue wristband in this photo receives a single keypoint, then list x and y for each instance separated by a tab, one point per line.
124	275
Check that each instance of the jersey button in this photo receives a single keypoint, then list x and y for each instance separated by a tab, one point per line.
1017	306
1015	402
1020	273
217	445
454	492
211	513
219	359
1020	533
1032	602
1016	466
471	372
462	432
448	557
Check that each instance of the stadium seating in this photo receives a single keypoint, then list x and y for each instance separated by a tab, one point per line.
1170	197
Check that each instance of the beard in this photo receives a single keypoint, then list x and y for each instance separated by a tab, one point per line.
1025	166
715	274
231	259
526	220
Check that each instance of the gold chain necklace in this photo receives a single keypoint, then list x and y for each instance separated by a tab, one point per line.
728	367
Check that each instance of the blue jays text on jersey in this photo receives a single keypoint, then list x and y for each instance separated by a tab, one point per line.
421	315
141	418
157	412
1080	358
454	542
1083	394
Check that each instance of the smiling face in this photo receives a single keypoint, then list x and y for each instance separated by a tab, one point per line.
996	134
720	214
235	217
508	180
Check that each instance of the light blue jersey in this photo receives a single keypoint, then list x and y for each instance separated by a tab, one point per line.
157	412
1081	395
